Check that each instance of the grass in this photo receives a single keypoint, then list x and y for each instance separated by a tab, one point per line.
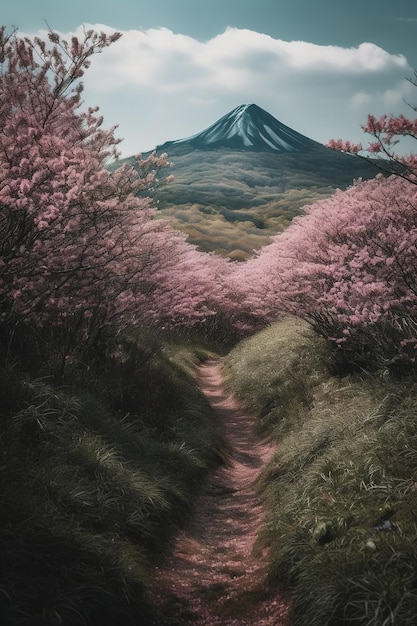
275	372
98	472
95	476
341	490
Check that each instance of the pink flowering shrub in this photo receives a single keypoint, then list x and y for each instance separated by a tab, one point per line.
349	266
81	249
63	217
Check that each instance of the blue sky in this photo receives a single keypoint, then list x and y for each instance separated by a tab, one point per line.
318	66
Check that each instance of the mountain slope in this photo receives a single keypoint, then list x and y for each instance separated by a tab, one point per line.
245	177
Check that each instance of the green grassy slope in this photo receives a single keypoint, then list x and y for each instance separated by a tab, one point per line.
94	479
341	489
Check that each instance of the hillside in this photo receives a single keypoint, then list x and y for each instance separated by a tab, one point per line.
340	490
244	178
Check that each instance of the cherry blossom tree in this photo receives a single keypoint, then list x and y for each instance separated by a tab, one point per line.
387	133
71	233
348	266
81	247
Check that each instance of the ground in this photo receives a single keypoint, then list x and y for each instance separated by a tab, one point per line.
216	575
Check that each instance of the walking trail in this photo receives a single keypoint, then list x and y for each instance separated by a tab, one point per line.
215	575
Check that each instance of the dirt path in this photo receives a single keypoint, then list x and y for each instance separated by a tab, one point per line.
214	576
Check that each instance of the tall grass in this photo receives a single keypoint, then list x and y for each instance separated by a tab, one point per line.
95	476
342	487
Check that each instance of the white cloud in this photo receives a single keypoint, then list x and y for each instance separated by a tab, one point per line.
159	85
230	60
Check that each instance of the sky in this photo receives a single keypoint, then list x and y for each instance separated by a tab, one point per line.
318	66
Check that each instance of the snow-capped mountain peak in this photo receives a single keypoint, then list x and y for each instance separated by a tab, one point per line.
247	127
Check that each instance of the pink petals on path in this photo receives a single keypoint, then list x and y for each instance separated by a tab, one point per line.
216	576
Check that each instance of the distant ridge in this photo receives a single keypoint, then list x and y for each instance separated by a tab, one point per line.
247	127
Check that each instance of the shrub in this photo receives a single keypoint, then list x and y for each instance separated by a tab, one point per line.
348	266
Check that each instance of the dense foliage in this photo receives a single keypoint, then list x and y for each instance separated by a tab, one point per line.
81	248
348	265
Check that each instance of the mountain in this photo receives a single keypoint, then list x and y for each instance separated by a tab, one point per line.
247	127
245	177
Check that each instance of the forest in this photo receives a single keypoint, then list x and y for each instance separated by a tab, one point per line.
106	311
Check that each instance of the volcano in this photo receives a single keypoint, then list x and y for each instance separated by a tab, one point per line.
244	178
247	127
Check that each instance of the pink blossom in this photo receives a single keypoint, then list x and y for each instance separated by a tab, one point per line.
386	133
350	259
79	245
